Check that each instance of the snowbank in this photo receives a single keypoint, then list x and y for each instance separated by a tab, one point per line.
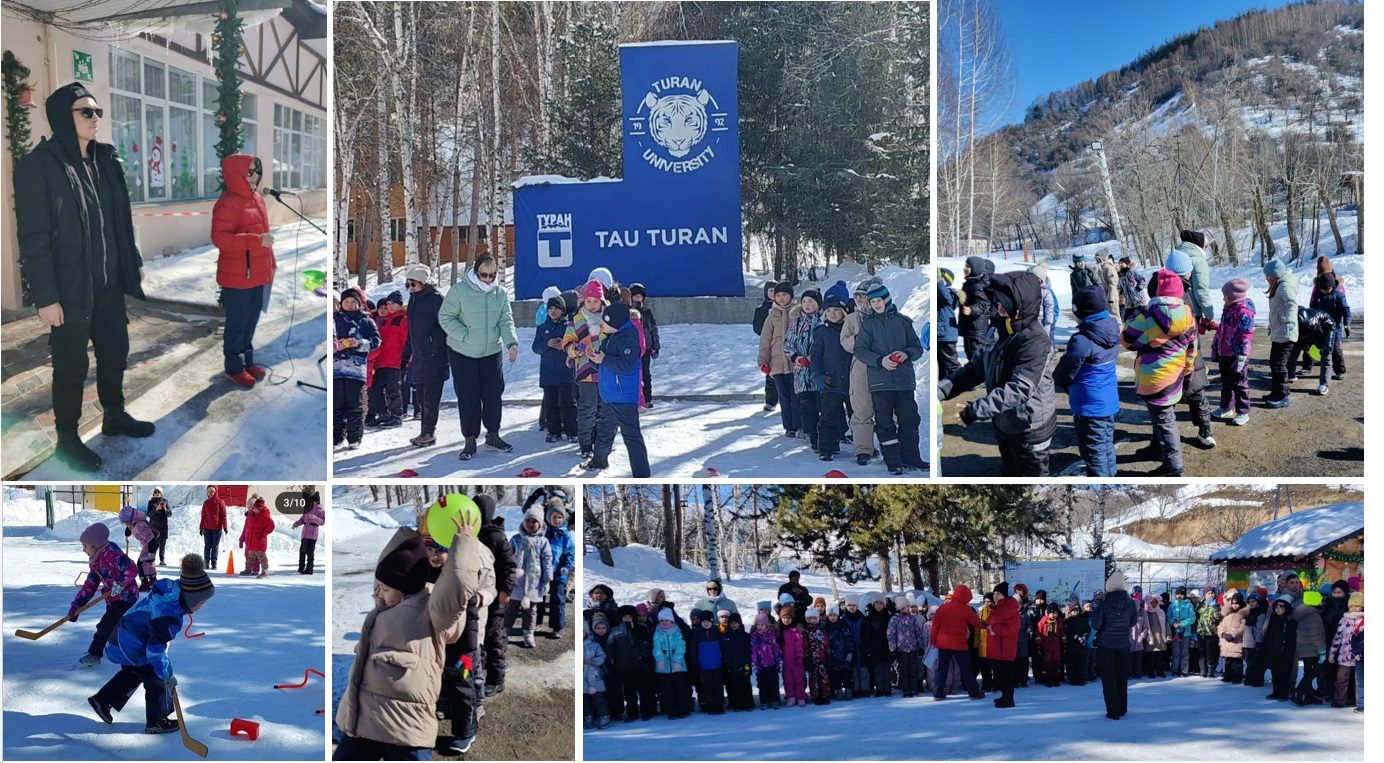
23	508
351	523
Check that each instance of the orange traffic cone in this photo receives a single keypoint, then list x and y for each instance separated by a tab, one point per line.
230	565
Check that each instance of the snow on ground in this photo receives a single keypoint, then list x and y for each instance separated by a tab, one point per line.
258	633
353	575
734	437
958	729
22	508
208	428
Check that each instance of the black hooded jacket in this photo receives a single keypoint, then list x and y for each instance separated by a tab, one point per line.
974	294
58	213
493	538
1020	399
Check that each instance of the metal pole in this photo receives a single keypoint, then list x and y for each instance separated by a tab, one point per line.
1099	148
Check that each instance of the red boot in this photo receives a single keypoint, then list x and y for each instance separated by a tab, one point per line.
259	372
243	378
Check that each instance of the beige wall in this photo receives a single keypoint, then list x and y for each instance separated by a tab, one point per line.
47	51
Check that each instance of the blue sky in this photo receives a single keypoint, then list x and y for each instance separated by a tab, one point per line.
1059	43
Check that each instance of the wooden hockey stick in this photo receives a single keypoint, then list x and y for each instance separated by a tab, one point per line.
34	636
188	742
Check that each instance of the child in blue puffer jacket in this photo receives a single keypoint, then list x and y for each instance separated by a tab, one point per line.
355	336
1087	371
140	647
620	384
559	411
711	645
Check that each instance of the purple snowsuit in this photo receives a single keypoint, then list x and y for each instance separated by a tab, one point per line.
766	658
1231	348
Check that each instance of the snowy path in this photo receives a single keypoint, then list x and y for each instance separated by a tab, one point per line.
1182	719
258	633
208	428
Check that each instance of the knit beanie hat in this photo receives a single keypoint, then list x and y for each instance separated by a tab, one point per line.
785	598
1178	262
1235	290
1078	257
1325	282
534	513
1020	587
946	276
665	615
901	602
1127	261
811	613
61	119
720	613
920	601
194	582
1166	283
783	287
1356	599
599	619
603	276
557	302
1195	593
761	618
96	534
878	291
1089	300
351	293
617	314
832	609
128	514
814	295
1342	585
851	598
406	567
1193	237
1040	270
593	290
764	605
1276	268
1181	590
836	301
1003	587
1312	598
421	274
1115	582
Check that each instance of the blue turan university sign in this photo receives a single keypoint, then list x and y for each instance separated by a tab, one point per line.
673	221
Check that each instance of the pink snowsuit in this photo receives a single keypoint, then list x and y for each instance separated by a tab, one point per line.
138	523
794	672
643	353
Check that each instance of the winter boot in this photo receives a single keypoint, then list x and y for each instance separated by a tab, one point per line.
493	689
1322	389
458	746
587	722
424	440
492	440
90	660
259	372
862	459
553	438
161	726
1150	452
596	463
468	451
103	711
144	583
243	379
603	722
1204	438
1221	413
73	452
121	423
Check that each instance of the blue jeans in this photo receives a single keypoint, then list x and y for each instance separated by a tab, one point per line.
788	402
1360	682
963	664
557	605
1095	441
359	748
211	546
242	316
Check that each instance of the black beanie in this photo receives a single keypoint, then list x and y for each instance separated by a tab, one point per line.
814	295
557	302
487	506
1088	300
63	121
637	289
1194	237
406	568
783	287
617	314
1003	587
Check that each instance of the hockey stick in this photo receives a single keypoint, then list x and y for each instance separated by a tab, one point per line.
32	636
188	742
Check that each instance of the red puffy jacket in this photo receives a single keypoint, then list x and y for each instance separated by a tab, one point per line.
258	525
1003	644
949	626
393	337
237	221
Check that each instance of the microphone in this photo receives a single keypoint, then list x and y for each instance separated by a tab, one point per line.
267	191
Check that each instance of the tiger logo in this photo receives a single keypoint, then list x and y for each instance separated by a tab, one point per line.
677	122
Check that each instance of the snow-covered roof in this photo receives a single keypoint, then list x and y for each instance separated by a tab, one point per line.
1300	534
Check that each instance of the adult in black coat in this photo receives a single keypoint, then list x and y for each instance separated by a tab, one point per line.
1112	622
973	314
158	513
496	643
77	251
874	646
761	314
428	343
801	598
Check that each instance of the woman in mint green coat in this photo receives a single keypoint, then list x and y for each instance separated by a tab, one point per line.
479	324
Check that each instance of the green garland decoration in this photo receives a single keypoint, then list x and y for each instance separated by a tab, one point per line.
1347	558
18	134
228	43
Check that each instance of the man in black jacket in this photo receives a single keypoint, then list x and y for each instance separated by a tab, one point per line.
496	641
761	314
428	345
1112	623
77	249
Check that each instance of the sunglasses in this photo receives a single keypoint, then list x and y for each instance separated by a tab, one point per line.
412	283
88	112
486	276
255	170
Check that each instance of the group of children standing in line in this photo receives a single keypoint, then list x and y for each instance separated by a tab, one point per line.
1007	323
833	359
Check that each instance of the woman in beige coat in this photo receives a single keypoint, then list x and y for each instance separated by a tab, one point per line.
388	709
772	361
1232	634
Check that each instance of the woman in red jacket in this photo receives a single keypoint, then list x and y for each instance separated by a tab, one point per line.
953	642
1002	642
245	266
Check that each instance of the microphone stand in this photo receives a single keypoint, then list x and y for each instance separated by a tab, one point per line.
279	198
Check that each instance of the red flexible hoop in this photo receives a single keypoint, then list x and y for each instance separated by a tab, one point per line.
306	673
186	630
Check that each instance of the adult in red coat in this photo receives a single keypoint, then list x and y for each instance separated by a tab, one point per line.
213	526
245	265
1002	642
254	538
953	642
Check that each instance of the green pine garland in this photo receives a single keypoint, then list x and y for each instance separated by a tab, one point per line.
228	44
18	134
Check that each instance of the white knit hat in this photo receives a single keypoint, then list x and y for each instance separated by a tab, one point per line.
419	272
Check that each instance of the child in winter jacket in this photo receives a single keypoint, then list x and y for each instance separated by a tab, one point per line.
710	645
1087	372
1283	329
386	393
830	367
581	340
639	300
137	525
139	645
619	388
1133	289
1077	626
774	362
354	336
1231	347
947	328
111	572
738	668
1349	634
797	345
1329	296
534	560
638	320
1015	369
254	538
670	665
766	659
1208	633
1163	335
1155	638
313	519
1047	315
1232	634
843	656
816	658
1279	646
792	643
904	639
1182	620
1317	330
595	708
889	348
629	653
1050	639
559	412
874	644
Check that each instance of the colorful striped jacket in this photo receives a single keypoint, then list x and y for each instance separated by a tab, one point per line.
1163	336
584	332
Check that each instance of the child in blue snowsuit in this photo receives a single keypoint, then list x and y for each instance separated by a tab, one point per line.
711	645
355	336
140	642
947	331
1087	372
1330	298
559	411
830	365
620	382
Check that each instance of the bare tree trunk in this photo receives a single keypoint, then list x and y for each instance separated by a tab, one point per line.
1261	220
384	270
1229	233
670	542
598	534
1331	218
886	575
677	506
403	86
1294	248
709	530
